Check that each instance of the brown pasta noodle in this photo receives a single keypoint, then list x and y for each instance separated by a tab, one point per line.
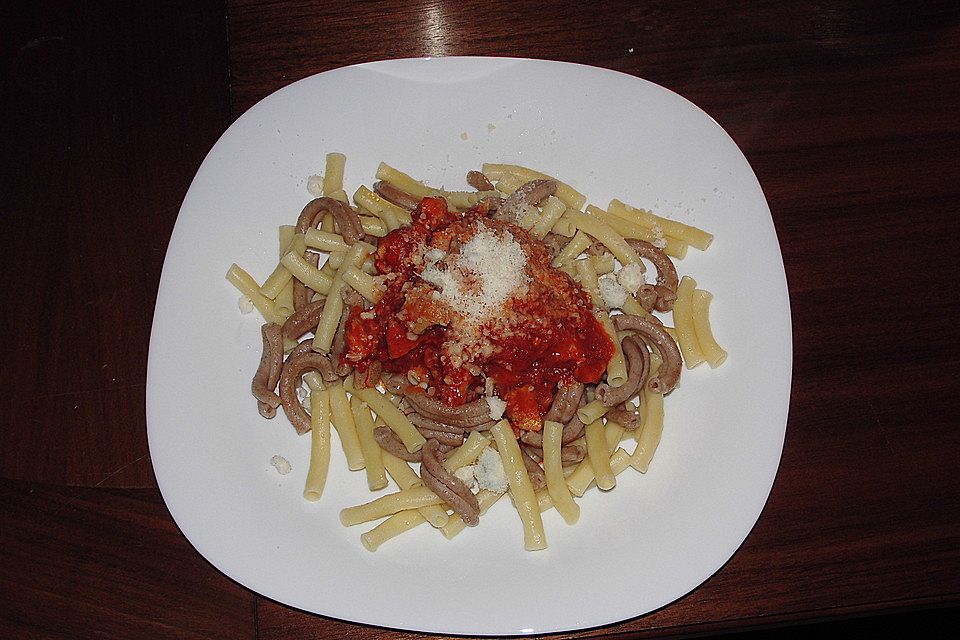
669	374
638	365
447	486
442	437
572	429
466	415
537	478
665	290
625	417
479	181
435	425
565	402
483	426
311	216
347	219
303	320
293	369
390	443
530	193
398	197
268	373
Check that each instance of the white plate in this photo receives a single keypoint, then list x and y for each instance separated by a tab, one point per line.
648	542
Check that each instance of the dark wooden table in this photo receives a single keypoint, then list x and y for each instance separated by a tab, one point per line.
848	113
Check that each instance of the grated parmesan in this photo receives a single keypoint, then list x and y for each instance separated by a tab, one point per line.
245	304
613	293
281	464
485	274
497	407
315	185
631	277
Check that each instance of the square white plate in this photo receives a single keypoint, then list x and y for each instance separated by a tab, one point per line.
646	543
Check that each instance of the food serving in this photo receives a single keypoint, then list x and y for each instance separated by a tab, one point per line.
475	343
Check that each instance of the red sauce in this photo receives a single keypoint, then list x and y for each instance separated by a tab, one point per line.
545	338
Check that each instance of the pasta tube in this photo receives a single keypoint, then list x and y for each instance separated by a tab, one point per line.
393	417
685	233
333	174
387	505
553	470
319	444
369	448
245	283
599	456
391	528
524	499
594	226
683	322
330	318
712	352
343	421
629	228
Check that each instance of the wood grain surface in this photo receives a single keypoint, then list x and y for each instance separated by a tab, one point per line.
846	111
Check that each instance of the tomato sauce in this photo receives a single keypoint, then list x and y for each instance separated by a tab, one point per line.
544	337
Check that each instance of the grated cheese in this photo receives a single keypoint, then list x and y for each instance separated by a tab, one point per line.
281	464
613	293
497	407
485	274
631	277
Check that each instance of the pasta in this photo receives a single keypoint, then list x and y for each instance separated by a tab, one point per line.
469	344
319	440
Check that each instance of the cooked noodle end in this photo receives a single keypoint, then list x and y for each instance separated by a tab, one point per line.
387	505
343	420
592	411
686	336
333	174
369	448
404	182
246	285
599	456
390	528
688	234
713	353
521	489
319	445
557	487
